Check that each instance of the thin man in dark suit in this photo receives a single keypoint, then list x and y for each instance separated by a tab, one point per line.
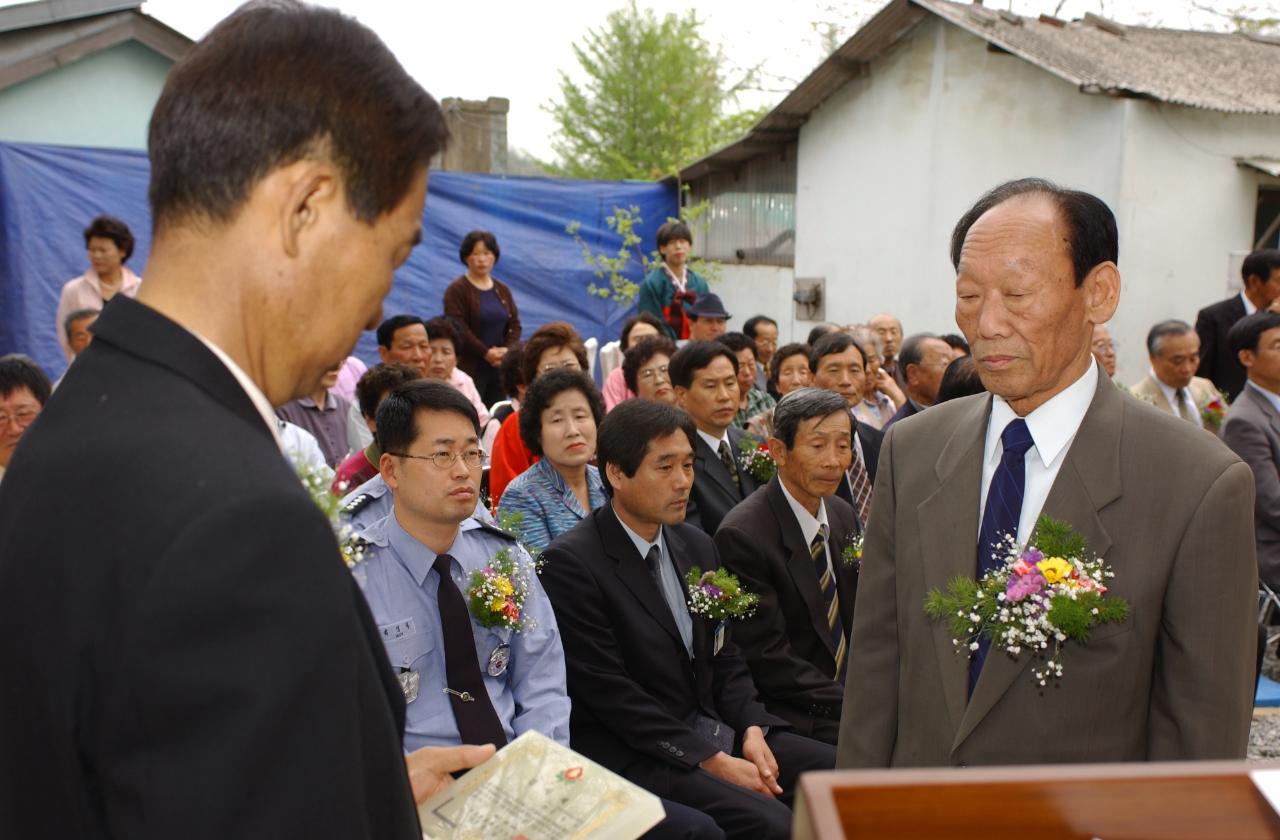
1260	272
839	364
705	377
187	656
788	545
660	694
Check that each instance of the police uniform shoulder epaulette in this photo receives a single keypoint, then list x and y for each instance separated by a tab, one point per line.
357	504
495	530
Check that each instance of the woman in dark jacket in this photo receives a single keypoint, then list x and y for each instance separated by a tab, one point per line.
485	307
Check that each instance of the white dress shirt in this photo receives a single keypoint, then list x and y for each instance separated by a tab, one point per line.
1171	395
1249	308
250	387
809	525
715	442
1271	396
672	589
1053	426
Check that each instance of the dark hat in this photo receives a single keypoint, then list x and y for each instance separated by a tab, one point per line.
708	306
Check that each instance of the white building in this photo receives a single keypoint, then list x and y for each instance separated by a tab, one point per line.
932	102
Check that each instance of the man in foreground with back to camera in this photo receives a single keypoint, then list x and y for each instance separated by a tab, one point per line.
194	659
1167	507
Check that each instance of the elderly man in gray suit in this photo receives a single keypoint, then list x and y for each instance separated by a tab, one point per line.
1252	429
1165	505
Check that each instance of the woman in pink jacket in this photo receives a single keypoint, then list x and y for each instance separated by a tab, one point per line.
110	243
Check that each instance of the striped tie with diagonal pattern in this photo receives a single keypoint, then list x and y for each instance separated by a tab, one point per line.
827	584
860	485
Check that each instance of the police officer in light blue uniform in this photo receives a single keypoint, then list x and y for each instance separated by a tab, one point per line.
372	501
430	433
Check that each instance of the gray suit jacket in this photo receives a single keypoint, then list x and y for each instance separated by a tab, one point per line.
1168	508
1252	430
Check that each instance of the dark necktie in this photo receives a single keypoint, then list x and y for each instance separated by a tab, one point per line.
1182	409
1001	515
726	458
860	486
472	709
830	597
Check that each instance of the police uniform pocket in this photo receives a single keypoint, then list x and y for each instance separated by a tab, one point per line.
405	652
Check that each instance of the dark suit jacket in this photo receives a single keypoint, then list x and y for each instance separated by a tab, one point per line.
1217	363
1166	505
908	410
786	642
870	438
635	691
182	653
1252	430
715	493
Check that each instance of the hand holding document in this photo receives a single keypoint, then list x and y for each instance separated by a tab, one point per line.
538	790
429	767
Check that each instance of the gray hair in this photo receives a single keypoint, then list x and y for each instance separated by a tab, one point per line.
912	350
804	404
867	337
1165	329
76	316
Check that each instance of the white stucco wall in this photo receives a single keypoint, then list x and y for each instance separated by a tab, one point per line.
748	290
104	99
888	164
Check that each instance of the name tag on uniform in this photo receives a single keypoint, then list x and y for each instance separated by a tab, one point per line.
720	630
397	630
409	681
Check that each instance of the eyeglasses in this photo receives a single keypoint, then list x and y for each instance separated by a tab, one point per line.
652	373
473	458
571	364
22	418
1104	346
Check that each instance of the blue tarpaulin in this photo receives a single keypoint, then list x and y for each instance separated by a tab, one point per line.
48	194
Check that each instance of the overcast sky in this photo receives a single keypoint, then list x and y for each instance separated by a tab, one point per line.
516	49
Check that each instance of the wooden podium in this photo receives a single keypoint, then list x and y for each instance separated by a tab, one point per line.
1181	800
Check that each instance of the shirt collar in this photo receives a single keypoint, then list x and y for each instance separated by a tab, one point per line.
413	555
1249	308
1170	394
329	402
1272	397
715	442
250	387
642	545
810	525
1052	425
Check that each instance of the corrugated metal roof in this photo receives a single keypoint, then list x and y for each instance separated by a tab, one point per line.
1227	72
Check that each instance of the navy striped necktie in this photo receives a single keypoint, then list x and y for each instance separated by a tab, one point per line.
1001	515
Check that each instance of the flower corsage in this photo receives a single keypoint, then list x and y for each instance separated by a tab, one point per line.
1044	594
717	595
851	554
496	593
756	460
1213	413
351	548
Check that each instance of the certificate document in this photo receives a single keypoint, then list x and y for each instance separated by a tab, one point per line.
535	789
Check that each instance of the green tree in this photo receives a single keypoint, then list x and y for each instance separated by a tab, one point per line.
655	98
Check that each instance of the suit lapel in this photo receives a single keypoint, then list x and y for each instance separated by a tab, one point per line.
634	572
1088	481
948	527
1156	393
713	468
746	484
800	561
1263	406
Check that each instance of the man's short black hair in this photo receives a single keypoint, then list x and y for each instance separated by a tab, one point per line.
475	237
639	354
695	356
749	328
109	227
1247	332
1165	329
279	82
380	380
912	350
736	341
832	344
818	332
398	414
1092	238
783	353
956	342
543	392
1260	264
623	438
960	379
78	315
443	326
19	371
805	404
670	231
388	328
624	337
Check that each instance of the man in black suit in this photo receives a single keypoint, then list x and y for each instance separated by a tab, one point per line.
182	652
705	377
1260	272
839	364
924	358
792	544
660	693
